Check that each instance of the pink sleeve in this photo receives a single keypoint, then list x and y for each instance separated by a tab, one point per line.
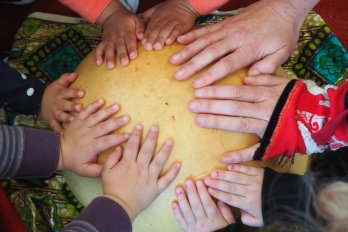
89	9
204	7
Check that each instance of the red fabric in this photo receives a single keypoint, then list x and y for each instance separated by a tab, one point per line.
206	6
320	112
9	219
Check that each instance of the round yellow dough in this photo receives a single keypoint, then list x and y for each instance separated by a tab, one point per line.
148	93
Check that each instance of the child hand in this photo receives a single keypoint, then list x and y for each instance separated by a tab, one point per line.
135	180
239	187
197	211
87	136
56	103
120	33
166	21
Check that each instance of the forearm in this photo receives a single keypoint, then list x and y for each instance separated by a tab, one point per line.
19	92
27	152
313	120
102	215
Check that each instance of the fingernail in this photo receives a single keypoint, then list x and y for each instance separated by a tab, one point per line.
124	62
178	191
175	57
200	93
188	184
199	184
215	173
125	118
153	129
133	55
194	106
118	148
110	65
115	107
80	93
126	136
230	167
168	41
157	46
179	73
148	47
174	206
138	127
200	120
169	142
254	72
250	79
198	83
99	62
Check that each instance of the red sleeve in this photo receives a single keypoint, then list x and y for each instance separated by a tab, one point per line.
307	119
204	7
89	9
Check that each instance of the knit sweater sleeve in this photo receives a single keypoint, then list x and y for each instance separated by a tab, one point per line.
102	215
88	9
27	152
313	120
19	92
204	7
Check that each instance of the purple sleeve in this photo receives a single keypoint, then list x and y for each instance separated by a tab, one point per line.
27	152
102	215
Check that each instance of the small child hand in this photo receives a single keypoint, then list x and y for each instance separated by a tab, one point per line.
239	187
121	31
166	21
56	103
88	135
135	180
197	211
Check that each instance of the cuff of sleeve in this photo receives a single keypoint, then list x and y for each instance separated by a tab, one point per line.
106	215
97	10
283	198
41	153
204	7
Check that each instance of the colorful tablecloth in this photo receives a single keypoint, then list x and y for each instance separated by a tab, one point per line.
48	45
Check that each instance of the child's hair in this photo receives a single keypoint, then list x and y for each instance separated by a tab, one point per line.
331	204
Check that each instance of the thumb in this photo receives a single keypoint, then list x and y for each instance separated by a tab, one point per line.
113	158
270	63
66	79
148	14
240	156
250	220
226	212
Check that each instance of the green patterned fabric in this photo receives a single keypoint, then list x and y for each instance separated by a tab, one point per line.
47	48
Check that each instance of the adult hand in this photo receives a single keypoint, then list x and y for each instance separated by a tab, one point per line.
121	30
245	108
57	102
262	35
135	181
197	211
240	187
166	21
88	135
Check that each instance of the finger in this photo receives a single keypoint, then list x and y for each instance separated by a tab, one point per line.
148	14
113	159
229	108
173	35
106	142
132	147
99	53
110	51
102	115
270	63
227	186
250	220
69	93
151	34
139	30
166	179
69	106
245	169
226	212
90	109
240	124
109	126
162	36
233	92
147	150
185	206
179	216
230	199
231	176
195	200
67	78
239	59
121	46
56	126
92	170
265	80
161	158
131	44
240	156
198	33
62	116
208	203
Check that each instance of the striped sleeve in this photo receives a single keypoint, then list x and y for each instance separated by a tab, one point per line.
26	152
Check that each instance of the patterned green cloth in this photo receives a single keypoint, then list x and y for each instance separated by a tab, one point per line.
47	48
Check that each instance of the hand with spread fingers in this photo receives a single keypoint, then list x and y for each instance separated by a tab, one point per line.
263	35
245	108
240	187
166	21
135	180
195	210
57	105
89	134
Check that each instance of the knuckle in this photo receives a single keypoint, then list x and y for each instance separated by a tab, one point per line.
235	91
242	124
226	63
233	108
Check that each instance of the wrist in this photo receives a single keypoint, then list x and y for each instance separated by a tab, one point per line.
60	162
131	213
111	9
